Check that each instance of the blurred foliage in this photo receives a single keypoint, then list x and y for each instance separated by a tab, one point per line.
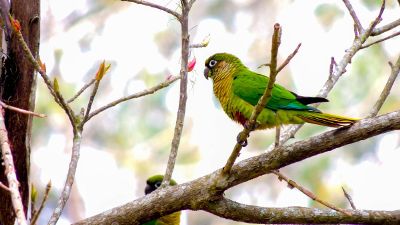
327	14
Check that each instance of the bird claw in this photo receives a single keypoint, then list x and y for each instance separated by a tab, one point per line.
241	141
250	127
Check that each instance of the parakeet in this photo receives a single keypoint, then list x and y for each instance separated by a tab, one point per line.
238	89
152	184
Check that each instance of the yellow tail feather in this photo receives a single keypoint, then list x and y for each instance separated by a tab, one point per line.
326	119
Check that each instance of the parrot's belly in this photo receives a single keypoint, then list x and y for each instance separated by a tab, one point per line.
240	111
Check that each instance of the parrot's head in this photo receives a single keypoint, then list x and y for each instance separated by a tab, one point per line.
221	65
154	182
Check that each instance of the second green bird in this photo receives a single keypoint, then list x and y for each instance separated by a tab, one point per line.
238	89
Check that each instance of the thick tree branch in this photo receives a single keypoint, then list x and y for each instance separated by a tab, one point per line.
297	215
200	193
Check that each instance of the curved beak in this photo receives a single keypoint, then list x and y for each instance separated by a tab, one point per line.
206	72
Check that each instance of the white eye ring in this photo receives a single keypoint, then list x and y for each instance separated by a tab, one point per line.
212	63
157	185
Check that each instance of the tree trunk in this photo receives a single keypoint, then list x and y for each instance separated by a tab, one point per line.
17	88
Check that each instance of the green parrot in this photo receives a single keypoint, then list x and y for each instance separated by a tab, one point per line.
152	184
238	89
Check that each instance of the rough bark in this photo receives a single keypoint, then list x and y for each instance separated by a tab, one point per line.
206	193
17	88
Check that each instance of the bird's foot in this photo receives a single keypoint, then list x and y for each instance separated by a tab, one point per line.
250	126
242	140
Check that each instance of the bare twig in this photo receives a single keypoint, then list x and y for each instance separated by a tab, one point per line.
153	5
180	116
91	99
348	197
35	216
381	40
353	14
307	192
57	96
13	184
23	111
332	65
203	43
242	137
395	70
385	28
377	20
287	60
70	178
81	90
336	70
148	91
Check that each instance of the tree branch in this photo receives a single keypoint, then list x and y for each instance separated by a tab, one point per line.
353	14
242	137
145	92
297	215
13	184
70	178
153	5
293	184
180	116
387	27
199	193
337	70
395	70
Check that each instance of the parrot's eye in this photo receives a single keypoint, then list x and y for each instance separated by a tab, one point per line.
212	63
157	185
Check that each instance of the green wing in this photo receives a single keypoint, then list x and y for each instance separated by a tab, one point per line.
250	86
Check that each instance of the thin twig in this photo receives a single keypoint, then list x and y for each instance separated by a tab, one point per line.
203	43
395	70
336	71
385	28
23	111
70	178
13	184
76	127
353	14
153	5
381	40
332	66
290	57
148	91
91	99
180	116
293	184
276	40
35	216
57	96
348	197
81	90
374	23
